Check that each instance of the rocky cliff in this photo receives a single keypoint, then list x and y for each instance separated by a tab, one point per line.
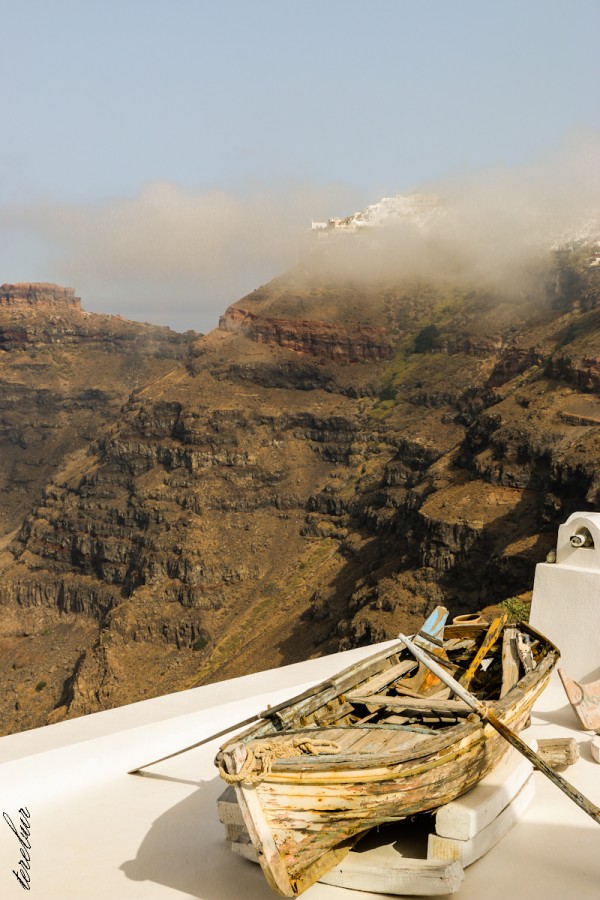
40	295
315	474
324	340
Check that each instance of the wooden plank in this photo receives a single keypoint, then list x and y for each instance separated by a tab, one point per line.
402	688
347	737
399	875
510	660
377	741
381	680
428	639
235	832
427	704
228	808
558	753
433	626
333	713
492	635
525	654
244	848
474	631
455	644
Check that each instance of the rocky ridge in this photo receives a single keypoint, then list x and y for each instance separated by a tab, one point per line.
324	340
40	294
316	474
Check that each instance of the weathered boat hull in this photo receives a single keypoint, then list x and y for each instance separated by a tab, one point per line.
305	810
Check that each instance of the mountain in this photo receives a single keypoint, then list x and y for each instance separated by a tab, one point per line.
339	456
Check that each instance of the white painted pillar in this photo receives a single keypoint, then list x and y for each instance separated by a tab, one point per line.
566	596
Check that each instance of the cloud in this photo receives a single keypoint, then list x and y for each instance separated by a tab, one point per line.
178	256
492	229
168	254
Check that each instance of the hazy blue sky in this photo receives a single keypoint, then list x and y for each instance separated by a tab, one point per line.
162	156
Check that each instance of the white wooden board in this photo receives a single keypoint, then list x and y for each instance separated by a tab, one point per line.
465	817
441	848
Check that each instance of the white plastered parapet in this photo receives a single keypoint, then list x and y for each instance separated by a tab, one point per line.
566	596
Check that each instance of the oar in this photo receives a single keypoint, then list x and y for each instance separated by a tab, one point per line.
206	740
265	714
488	716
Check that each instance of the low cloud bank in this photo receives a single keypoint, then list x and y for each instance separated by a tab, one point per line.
492	230
168	255
179	257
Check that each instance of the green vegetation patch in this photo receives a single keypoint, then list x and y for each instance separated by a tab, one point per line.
516	609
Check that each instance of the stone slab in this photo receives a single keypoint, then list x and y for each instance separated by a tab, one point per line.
467	852
464	817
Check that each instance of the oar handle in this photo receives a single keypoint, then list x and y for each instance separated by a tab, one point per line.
265	714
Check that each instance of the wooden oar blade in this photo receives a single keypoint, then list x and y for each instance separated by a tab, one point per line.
585	700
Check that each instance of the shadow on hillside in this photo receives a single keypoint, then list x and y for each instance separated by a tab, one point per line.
488	571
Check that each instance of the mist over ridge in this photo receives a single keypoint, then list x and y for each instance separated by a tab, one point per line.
492	230
178	256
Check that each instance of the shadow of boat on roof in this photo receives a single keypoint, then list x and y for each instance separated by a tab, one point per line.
185	850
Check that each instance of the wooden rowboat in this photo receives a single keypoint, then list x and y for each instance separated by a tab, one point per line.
380	741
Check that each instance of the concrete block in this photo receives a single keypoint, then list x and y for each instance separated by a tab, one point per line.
464	817
466	852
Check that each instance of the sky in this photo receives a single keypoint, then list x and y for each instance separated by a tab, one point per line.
166	157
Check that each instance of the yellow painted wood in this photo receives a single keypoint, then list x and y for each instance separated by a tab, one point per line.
492	635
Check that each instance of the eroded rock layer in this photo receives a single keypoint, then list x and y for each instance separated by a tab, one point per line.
315	474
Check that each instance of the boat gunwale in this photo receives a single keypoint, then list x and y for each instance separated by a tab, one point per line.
378	768
474	739
303	766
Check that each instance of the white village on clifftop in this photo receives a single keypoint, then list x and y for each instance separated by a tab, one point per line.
416	208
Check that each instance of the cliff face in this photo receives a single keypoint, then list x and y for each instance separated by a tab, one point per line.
315	474
64	375
40	295
323	340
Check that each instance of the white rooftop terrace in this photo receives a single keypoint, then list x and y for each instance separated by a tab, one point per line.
97	832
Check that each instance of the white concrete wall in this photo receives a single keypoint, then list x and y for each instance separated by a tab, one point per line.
566	597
